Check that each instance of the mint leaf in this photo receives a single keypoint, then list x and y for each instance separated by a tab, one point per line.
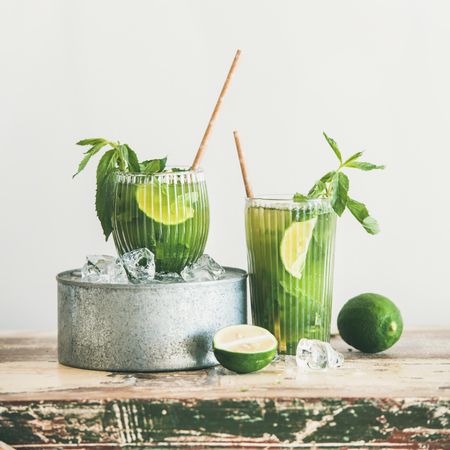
133	162
371	225
153	166
328	176
339	193
334	146
95	148
353	158
90	153
317	189
129	158
105	187
91	141
364	165
300	197
82	164
361	214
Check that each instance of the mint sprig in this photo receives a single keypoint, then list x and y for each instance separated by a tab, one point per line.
335	186
117	158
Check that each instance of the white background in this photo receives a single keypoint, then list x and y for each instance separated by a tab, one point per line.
375	75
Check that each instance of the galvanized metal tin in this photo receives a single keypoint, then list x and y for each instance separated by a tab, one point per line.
153	327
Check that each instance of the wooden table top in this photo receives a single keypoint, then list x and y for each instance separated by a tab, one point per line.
399	396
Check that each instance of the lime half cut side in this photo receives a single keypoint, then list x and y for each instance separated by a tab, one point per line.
244	348
294	246
161	206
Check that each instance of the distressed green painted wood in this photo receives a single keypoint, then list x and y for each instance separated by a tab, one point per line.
397	400
283	421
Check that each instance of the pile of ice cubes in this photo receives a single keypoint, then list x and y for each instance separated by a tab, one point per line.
138	266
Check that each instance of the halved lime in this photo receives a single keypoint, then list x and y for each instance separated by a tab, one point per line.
162	206
294	246
244	348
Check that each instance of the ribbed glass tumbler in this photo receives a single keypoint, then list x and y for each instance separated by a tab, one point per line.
291	258
167	213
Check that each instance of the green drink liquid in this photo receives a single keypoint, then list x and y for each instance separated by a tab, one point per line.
291	257
168	213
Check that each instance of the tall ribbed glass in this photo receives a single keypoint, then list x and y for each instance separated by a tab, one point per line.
167	213
291	258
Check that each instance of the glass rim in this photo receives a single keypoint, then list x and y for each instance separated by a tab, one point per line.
287	200
186	172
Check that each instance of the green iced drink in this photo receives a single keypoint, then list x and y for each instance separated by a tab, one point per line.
290	255
166	212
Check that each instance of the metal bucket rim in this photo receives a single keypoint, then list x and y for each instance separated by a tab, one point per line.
240	274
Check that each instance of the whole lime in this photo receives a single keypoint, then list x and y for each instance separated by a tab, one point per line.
370	322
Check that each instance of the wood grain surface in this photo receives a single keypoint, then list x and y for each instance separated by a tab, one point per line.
397	399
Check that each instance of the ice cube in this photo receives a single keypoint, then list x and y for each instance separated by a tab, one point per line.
204	269
139	265
168	277
103	269
317	355
283	363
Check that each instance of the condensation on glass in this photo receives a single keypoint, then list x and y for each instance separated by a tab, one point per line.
167	213
290	259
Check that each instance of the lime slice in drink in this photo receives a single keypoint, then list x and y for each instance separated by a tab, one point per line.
294	246
244	348
161	206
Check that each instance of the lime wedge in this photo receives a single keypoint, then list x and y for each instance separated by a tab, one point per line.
294	246
162	206
244	348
